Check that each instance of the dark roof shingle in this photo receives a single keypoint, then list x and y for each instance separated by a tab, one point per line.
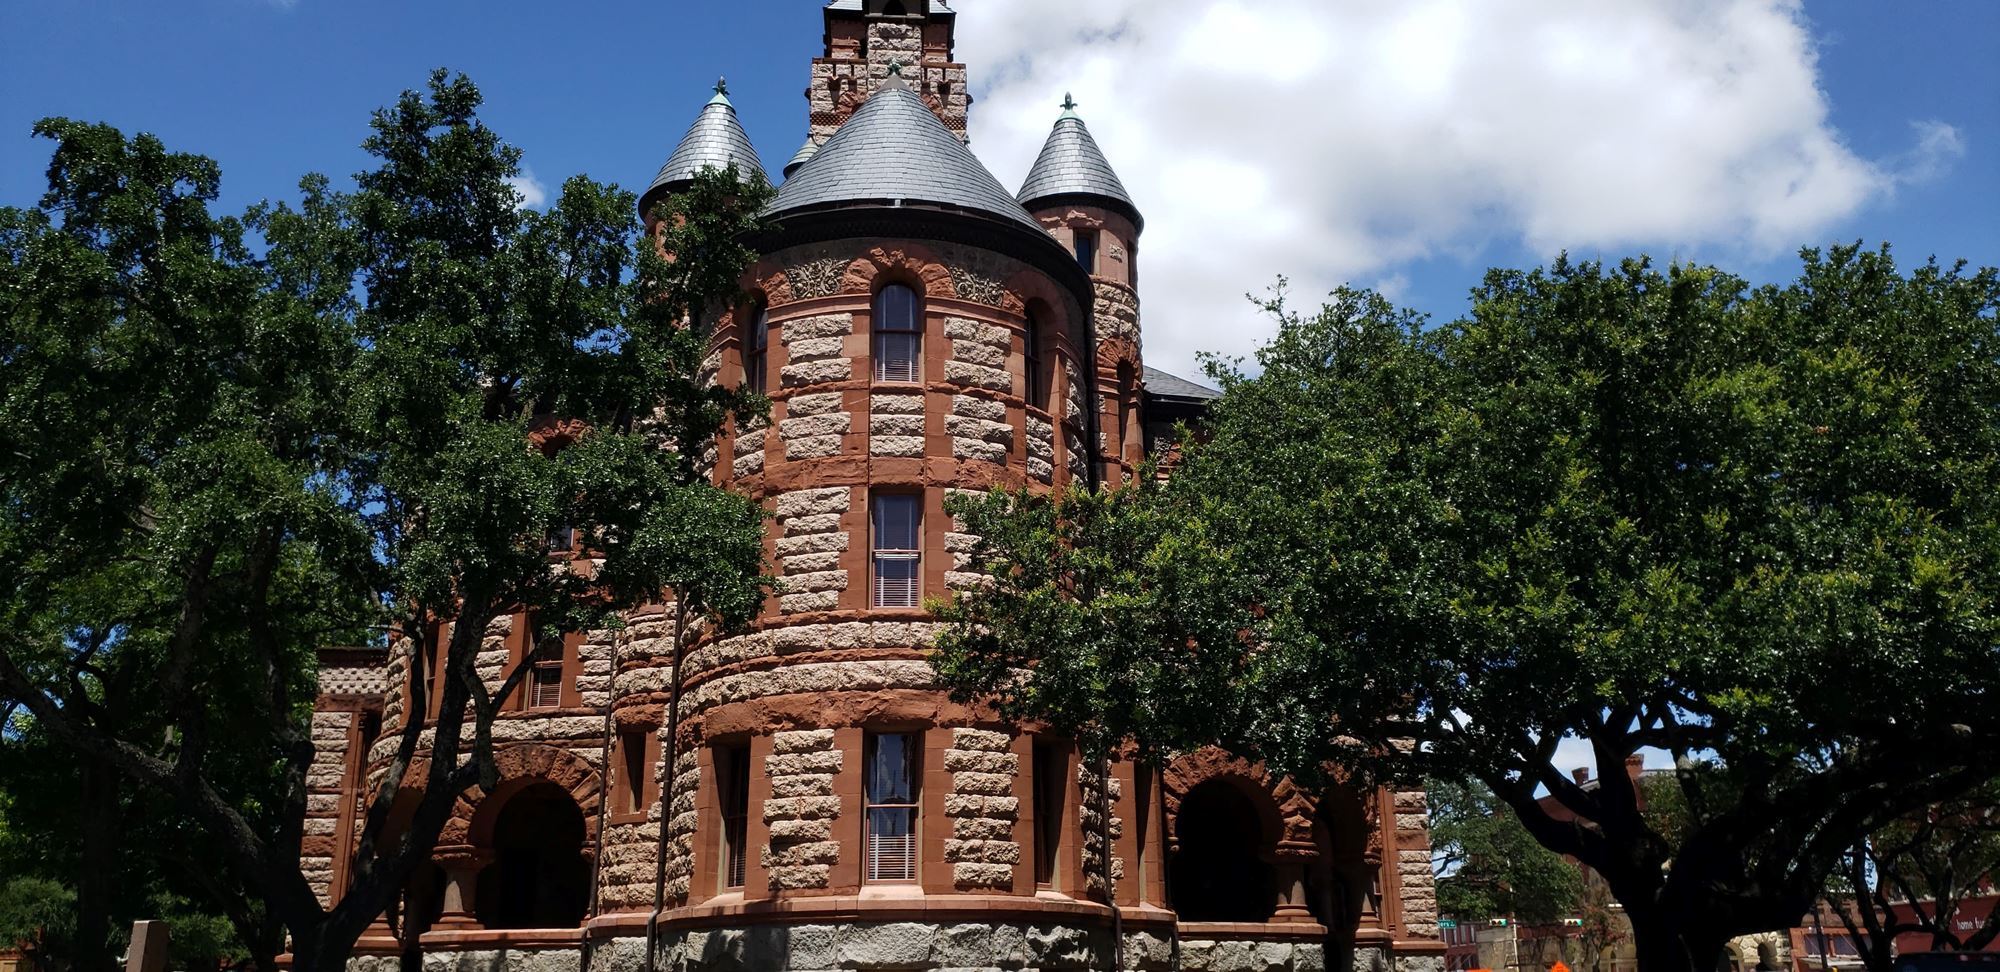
894	151
1071	164
1172	386
715	140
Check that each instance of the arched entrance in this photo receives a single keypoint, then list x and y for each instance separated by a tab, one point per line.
539	877
1220	871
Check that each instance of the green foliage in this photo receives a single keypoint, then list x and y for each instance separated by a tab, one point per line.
225	443
33	910
1754	527
1488	864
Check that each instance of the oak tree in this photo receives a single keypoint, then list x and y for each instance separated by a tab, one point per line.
1756	528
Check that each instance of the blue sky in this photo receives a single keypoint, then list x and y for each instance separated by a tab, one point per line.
1332	142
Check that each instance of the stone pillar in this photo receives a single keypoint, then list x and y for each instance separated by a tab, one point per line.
149	947
461	866
1292	907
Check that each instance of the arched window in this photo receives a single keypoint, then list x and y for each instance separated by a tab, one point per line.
899	335
1032	341
757	350
895	8
1219	872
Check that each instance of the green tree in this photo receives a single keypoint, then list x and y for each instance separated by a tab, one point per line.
1489	866
1755	528
217	460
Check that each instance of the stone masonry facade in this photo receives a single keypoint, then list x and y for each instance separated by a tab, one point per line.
729	797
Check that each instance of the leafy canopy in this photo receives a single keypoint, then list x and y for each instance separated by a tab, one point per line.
1754	527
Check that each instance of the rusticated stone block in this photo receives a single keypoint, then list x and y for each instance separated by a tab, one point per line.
897	404
802	741
801	406
813	502
817	372
1006	808
962	373
823	326
971	761
966	874
907	425
897	446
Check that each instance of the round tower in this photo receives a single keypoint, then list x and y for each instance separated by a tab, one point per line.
919	334
1075	195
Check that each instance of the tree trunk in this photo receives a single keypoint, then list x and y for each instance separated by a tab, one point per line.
91	946
1664	944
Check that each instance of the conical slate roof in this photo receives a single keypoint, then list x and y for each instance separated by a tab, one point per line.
714	141
1072	165
801	157
893	151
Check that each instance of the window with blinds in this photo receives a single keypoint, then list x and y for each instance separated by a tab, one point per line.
897	556
891	791
732	771
899	335
545	685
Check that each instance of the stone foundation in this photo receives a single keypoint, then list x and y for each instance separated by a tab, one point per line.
907	947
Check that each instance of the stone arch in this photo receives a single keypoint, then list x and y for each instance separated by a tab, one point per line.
918	266
1284	810
521	766
1028	288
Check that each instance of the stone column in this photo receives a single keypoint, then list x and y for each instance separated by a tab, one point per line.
1291	875
461	866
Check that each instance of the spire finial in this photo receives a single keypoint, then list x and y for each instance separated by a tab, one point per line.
896	68
1069	101
722	87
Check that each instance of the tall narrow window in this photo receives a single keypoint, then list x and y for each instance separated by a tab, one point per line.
632	766
1031	349
545	682
899	334
1049	791
757	351
732	778
898	561
892	807
1086	250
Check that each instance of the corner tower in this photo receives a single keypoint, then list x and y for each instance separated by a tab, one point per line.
1075	194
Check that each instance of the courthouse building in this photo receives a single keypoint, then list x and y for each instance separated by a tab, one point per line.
921	329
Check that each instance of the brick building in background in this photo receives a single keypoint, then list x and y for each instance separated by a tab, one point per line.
921	330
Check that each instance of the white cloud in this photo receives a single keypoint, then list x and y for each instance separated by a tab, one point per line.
534	195
1939	147
1335	140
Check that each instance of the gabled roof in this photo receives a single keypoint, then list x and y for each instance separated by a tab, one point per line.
1071	166
715	140
893	152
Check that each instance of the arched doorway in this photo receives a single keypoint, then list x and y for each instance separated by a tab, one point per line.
1219	872
539	877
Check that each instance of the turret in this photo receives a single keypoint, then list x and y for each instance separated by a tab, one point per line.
1076	196
715	140
1075	193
